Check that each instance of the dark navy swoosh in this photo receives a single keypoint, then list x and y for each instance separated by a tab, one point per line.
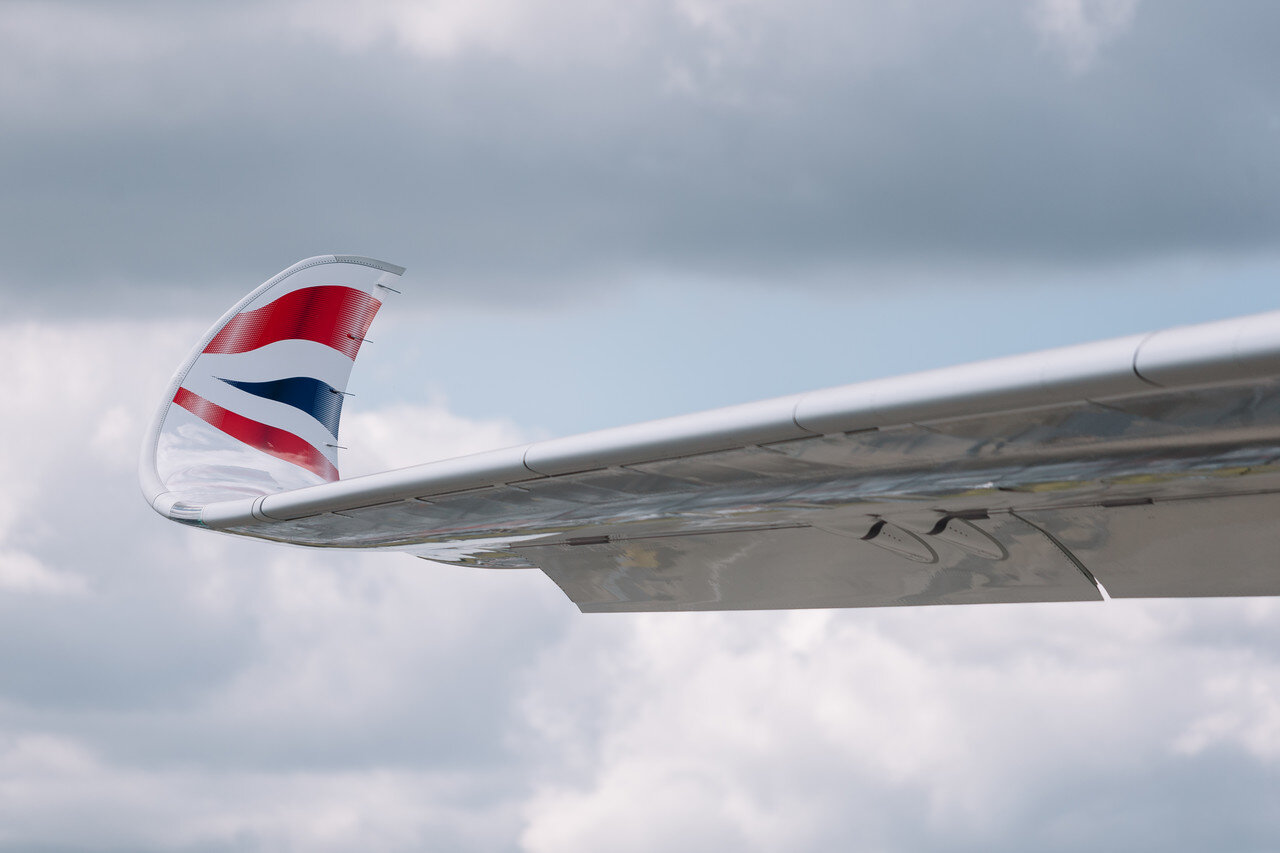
318	399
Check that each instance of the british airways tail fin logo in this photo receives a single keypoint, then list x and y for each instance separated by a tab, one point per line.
272	377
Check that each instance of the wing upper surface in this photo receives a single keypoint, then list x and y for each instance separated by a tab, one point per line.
1166	495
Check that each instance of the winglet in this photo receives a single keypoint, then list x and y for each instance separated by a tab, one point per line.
255	407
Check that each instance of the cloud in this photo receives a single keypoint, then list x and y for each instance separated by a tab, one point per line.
1243	712
437	29
404	434
536	154
45	778
23	572
986	727
1080	28
176	689
445	30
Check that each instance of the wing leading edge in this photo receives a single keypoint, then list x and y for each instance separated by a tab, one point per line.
1146	466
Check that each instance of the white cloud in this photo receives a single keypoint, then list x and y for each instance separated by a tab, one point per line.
439	28
46	778
21	572
1243	712
406	434
1079	29
885	728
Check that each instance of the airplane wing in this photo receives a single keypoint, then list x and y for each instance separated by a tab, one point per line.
1146	466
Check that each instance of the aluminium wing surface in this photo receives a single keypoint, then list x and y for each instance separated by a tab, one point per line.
1146	466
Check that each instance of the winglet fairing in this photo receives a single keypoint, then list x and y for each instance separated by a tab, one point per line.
255	407
1149	465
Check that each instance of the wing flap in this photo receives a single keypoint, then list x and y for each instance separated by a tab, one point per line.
1176	548
803	567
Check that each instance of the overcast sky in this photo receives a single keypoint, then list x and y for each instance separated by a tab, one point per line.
609	211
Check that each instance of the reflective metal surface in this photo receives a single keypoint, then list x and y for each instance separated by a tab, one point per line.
809	567
1173	493
1176	548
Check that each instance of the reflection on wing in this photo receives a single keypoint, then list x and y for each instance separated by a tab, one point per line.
1146	466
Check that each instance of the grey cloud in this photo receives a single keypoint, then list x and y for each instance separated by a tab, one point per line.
761	145
204	693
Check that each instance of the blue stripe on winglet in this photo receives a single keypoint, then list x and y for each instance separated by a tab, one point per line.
318	399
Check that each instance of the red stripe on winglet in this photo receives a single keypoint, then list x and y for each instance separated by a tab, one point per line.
335	316
278	442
